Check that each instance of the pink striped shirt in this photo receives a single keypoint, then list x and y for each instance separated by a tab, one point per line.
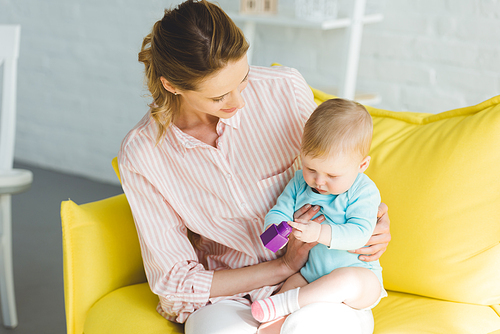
221	194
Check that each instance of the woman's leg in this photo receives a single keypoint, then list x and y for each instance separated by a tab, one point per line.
328	318
224	317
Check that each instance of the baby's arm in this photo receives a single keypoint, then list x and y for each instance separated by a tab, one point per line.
311	231
283	210
361	217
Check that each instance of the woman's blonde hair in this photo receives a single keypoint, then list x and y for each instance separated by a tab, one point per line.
190	43
338	126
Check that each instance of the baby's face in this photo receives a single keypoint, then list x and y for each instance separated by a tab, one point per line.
333	174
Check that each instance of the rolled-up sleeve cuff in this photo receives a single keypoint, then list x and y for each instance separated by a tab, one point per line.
179	306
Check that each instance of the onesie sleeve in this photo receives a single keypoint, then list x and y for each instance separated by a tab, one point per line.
285	205
361	217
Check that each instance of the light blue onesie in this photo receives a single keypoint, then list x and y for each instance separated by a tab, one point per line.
352	216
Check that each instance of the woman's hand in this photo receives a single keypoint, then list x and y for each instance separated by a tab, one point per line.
307	212
297	251
379	241
296	254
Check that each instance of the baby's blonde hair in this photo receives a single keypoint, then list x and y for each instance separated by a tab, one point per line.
338	126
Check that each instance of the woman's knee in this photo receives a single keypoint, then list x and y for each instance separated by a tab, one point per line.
225	317
323	318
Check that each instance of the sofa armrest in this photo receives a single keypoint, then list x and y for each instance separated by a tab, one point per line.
101	253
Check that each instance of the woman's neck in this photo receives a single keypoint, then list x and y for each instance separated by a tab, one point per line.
203	129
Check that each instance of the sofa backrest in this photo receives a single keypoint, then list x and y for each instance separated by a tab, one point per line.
439	175
100	253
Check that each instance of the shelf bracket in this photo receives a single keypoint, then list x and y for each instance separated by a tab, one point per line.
354	33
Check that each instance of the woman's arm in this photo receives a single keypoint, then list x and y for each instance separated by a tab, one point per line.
233	281
170	261
380	239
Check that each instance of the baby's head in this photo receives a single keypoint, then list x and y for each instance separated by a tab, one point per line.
335	145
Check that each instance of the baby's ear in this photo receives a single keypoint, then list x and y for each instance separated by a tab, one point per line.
364	164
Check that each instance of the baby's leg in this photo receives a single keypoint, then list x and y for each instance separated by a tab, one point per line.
354	286
293	282
281	304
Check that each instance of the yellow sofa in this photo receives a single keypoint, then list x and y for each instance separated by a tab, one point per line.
439	175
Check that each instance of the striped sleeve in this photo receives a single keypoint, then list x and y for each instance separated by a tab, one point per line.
174	273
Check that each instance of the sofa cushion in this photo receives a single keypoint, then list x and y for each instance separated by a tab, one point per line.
439	175
112	314
405	313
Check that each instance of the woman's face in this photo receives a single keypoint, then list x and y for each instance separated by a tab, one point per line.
219	95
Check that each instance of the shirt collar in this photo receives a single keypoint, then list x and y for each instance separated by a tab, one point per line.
233	121
181	141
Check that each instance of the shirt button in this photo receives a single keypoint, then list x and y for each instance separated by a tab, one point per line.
243	205
229	176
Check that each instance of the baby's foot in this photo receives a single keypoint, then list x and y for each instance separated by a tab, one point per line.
276	306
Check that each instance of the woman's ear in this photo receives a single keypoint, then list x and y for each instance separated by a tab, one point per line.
168	86
364	164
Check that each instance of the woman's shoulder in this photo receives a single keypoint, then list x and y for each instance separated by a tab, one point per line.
286	80
143	132
260	73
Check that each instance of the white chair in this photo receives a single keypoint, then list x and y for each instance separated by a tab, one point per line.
12	181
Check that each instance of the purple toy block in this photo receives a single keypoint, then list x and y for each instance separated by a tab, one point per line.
276	236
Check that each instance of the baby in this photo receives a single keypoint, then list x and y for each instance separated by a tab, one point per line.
334	152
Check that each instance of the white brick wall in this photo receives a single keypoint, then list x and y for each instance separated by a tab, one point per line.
426	56
433	55
81	87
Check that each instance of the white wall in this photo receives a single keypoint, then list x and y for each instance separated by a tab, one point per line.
81	88
434	55
425	56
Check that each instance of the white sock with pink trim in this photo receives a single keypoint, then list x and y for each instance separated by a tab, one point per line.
276	306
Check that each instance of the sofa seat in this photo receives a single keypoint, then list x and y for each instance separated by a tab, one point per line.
112	313
398	313
406	313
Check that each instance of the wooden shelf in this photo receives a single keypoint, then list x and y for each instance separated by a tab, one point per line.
290	21
364	98
353	26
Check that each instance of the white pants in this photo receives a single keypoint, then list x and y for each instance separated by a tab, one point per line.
232	317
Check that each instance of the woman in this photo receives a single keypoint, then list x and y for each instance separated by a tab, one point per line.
206	163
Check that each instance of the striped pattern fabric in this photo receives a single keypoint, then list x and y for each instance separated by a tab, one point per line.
220	194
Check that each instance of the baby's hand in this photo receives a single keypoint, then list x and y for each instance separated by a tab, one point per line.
306	230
